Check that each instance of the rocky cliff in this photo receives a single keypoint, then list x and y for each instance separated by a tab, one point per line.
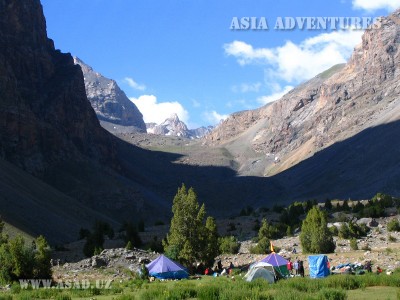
108	101
45	115
335	105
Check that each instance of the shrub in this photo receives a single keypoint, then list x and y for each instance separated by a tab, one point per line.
262	247
391	238
393	225
344	232
334	231
353	244
229	244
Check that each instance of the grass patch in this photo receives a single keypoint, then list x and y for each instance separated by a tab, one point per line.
376	292
368	286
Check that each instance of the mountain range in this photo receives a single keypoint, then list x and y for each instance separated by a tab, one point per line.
334	136
118	114
172	126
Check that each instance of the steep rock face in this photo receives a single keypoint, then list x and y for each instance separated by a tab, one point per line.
108	101
45	115
333	106
175	127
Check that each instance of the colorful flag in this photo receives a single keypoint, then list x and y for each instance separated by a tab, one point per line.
272	247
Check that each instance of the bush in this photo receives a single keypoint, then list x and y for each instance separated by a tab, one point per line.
334	231
344	232
228	244
262	247
393	225
353	244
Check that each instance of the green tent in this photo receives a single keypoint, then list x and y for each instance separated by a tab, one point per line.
279	263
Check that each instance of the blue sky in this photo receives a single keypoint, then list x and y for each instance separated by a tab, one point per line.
181	56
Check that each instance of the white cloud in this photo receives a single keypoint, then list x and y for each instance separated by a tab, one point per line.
276	94
213	117
133	84
157	112
246	87
246	53
298	62
371	5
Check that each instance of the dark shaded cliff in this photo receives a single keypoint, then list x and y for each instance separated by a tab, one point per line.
45	116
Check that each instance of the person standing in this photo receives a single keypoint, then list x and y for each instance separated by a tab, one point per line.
296	267
289	266
301	268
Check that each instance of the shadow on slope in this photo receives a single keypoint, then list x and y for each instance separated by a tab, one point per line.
357	168
145	183
36	208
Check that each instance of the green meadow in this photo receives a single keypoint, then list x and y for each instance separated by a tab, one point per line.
369	286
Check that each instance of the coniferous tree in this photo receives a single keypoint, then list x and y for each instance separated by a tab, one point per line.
188	237
264	235
42	258
211	246
328	204
315	236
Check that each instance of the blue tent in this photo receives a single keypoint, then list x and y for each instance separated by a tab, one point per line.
318	265
165	268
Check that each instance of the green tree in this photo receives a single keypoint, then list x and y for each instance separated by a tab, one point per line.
289	231
264	235
262	247
95	239
344	231
211	246
129	246
315	236
267	230
187	235
328	204
42	258
345	206
131	234
229	245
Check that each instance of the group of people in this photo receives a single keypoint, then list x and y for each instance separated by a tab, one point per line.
218	269
296	267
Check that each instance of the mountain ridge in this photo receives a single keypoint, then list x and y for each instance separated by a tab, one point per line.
173	126
331	107
108	100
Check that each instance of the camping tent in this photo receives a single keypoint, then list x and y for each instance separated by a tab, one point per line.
279	263
261	270
165	268
318	265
